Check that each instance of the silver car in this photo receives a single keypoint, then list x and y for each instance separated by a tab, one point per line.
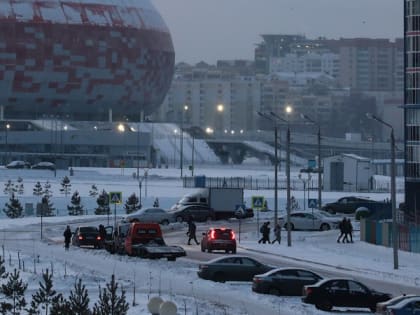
151	215
308	220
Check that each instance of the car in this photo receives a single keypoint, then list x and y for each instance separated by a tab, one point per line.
243	214
150	215
310	220
232	268
115	241
349	205
44	166
219	239
86	236
382	307
284	281
18	164
407	306
197	212
342	292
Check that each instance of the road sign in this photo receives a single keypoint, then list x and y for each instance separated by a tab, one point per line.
311	163
257	202
312	203
115	197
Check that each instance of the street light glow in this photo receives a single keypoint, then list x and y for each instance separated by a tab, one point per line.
288	109
121	128
220	108
209	130
185	107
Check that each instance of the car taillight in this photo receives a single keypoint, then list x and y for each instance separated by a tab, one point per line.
232	235
80	237
256	280
307	291
202	266
98	238
213	235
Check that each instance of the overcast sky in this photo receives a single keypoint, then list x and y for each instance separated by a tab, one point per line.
209	30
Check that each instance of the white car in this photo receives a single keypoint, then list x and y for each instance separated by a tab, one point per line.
308	220
152	215
18	164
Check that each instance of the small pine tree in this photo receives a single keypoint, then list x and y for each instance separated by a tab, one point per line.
47	190
19	186
76	208
38	191
13	291
47	207
60	306
103	203
110	303
79	299
93	192
132	204
9	188
65	186
13	209
44	296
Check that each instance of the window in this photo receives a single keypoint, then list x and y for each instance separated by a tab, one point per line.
248	262
355	287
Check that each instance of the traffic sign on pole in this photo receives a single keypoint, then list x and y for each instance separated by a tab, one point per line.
115	197
312	203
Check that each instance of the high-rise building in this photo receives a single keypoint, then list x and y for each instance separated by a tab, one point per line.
412	106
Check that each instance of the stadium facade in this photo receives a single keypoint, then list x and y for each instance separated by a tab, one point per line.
83	60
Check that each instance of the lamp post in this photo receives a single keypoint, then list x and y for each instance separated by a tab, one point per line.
7	144
181	158
276	162
306	117
220	108
192	157
393	190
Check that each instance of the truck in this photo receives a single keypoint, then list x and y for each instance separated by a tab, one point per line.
223	201
115	238
145	240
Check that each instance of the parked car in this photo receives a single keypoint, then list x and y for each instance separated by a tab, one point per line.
244	213
328	293
151	215
311	220
349	205
198	212
231	268
382	307
44	166
18	164
284	281
219	239
407	306
115	242
86	236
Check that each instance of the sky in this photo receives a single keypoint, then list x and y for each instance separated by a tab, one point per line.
219	29
178	281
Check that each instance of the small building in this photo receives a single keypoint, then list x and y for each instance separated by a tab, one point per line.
347	172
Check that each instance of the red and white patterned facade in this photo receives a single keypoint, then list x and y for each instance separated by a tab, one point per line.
81	58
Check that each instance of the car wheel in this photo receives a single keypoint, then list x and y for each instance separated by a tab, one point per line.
373	309
274	291
179	219
219	277
171	258
209	250
234	251
165	222
202	248
324	305
325	227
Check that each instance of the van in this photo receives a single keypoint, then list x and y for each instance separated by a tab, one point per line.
142	233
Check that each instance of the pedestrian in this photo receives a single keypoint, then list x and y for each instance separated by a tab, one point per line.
191	231
67	237
262	229
348	231
341	228
265	231
102	235
277	233
156	203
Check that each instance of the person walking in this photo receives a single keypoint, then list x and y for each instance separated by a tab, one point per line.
341	228
348	231
102	234
191	231
262	231
67	237
277	233
265	231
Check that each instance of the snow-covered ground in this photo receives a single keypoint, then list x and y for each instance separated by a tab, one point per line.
178	281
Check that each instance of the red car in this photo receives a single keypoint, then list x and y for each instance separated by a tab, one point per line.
219	239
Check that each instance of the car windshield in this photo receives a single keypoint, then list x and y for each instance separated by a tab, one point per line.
88	229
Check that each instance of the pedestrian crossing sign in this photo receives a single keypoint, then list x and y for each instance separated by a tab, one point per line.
257	202
312	203
115	197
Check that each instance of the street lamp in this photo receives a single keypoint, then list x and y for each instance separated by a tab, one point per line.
393	190
220	108
7	144
306	117
276	162
181	158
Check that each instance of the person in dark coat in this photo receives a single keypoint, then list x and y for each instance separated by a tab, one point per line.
191	231
265	231
67	237
348	231
277	233
341	228
102	234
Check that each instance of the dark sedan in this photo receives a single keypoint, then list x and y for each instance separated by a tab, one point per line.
284	281
232	268
197	212
342	293
86	236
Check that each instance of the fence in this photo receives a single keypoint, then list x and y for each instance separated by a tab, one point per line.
380	233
